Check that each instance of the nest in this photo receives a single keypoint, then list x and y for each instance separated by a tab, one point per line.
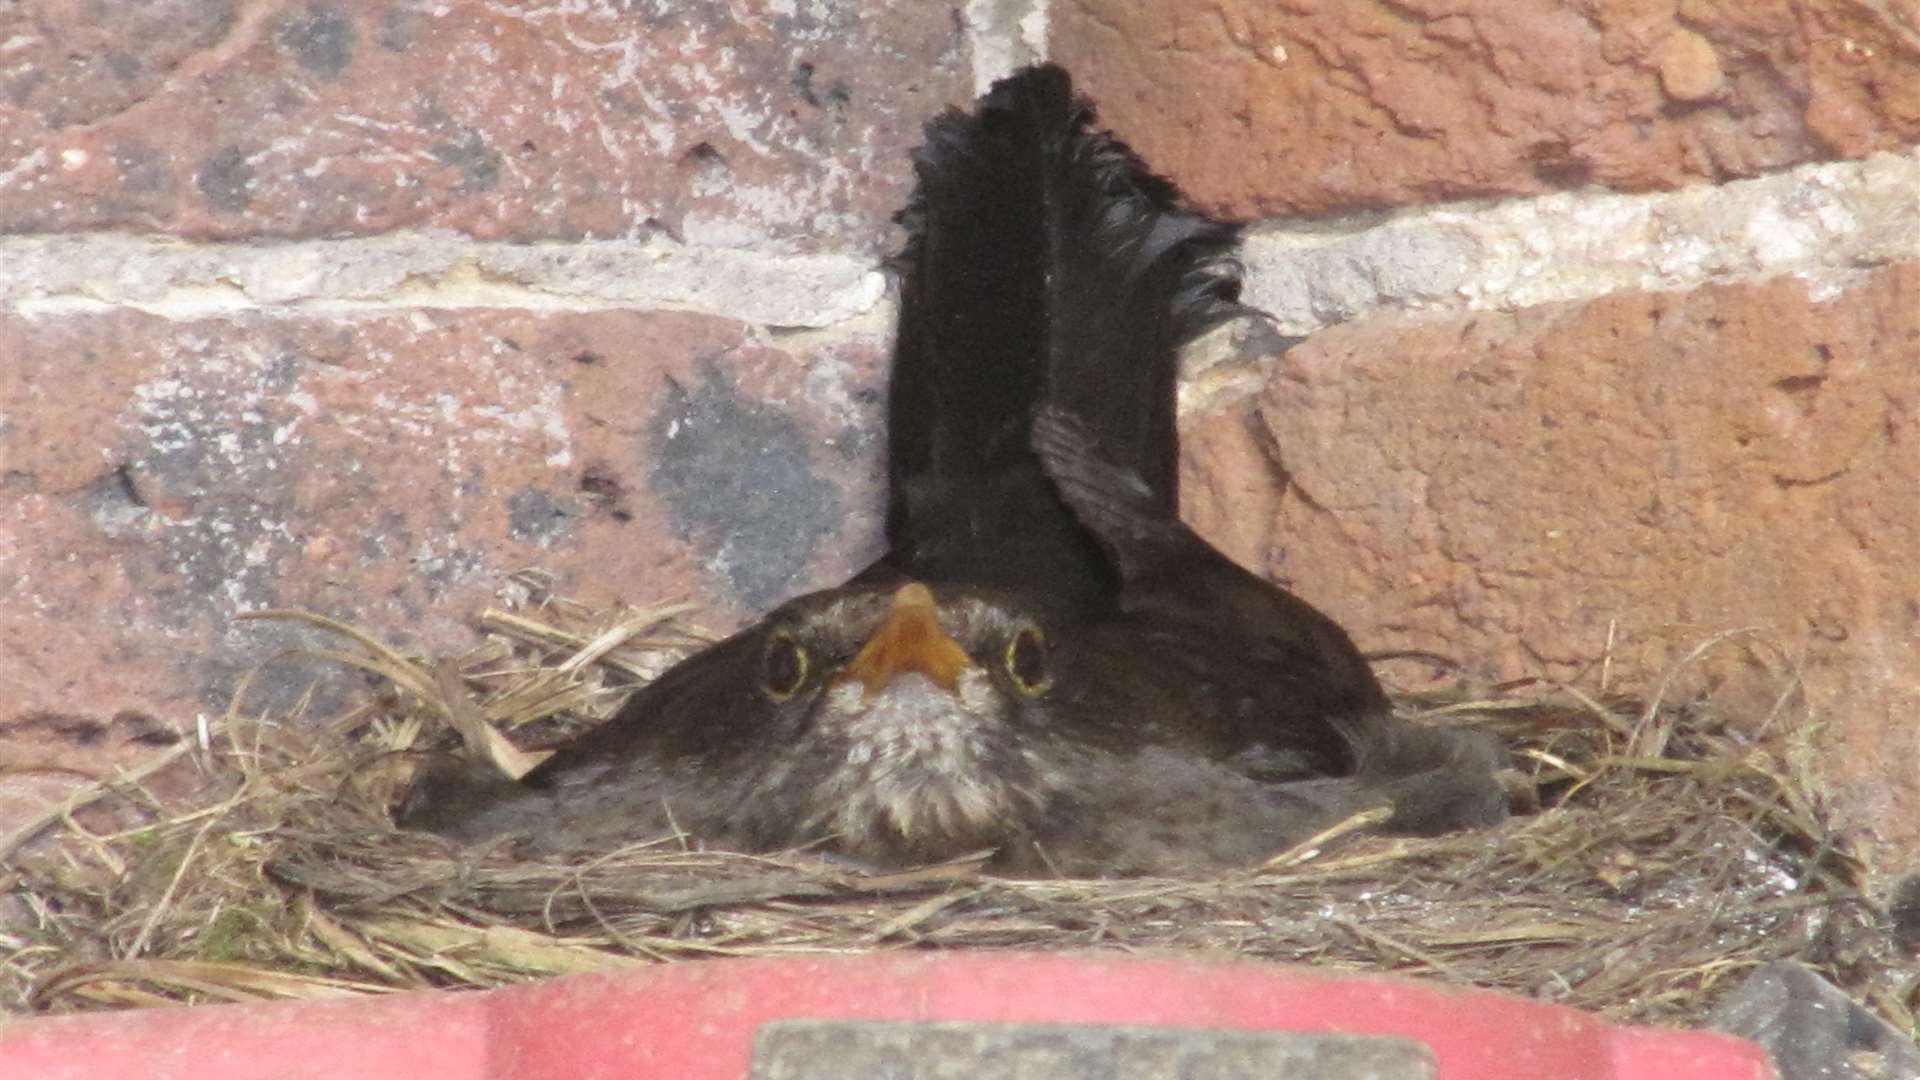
1673	850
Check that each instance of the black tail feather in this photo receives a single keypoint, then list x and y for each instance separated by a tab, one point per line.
1044	264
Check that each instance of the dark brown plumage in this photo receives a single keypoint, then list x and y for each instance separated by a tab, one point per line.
1044	264
1047	664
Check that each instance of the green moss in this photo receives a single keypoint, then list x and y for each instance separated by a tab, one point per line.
229	937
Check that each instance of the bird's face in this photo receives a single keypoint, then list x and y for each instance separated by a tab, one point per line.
890	722
913	724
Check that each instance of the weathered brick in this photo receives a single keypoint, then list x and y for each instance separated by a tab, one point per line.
389	471
1515	490
1267	110
784	126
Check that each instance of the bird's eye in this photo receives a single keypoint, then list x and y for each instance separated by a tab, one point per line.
783	667
1026	661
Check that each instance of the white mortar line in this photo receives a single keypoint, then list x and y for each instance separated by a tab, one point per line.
1818	221
43	275
1004	36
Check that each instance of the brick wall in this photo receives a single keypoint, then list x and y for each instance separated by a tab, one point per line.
1611	321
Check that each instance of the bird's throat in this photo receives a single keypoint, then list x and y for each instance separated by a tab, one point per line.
922	769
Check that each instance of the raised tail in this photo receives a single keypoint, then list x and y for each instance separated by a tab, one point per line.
1044	263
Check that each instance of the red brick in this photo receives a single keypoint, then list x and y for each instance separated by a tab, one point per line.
390	472
723	123
1509	489
1270	110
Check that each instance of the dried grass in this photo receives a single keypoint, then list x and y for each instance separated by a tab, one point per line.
1675	853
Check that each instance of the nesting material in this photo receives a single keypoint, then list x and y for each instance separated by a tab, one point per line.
1674	850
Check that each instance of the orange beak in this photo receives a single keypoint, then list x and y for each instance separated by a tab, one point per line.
909	639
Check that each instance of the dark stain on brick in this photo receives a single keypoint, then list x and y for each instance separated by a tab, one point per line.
819	22
388	539
233	491
226	179
472	483
604	491
74	729
206	563
535	517
133	726
668	14
855	441
479	163
123	475
283	372
321	40
836	96
738	482
212	21
114	502
142	171
264	657
398	28
1557	163
439	573
70	728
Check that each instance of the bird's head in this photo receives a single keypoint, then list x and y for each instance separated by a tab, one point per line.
913	715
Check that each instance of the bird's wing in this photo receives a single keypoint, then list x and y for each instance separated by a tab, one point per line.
1115	503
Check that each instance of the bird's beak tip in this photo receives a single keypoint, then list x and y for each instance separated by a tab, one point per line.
908	639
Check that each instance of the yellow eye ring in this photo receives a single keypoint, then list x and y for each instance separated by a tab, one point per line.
1026	661
784	666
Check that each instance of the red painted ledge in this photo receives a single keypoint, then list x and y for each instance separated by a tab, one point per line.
696	1021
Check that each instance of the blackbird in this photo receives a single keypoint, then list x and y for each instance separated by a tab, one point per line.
1047	665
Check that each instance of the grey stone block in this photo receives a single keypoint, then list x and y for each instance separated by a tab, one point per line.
893	1050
